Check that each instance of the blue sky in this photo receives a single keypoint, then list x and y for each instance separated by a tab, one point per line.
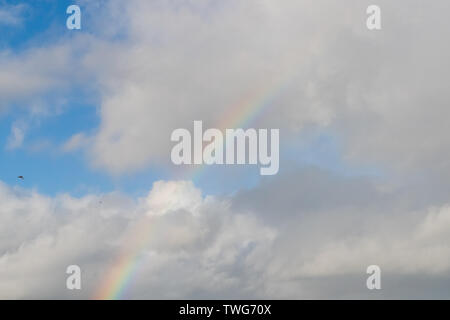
39	24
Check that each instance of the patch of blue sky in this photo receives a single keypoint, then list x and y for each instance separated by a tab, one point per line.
41	22
40	159
49	170
323	149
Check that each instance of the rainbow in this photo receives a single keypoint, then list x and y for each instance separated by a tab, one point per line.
240	115
244	113
115	283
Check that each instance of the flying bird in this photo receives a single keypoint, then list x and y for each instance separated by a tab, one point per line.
21	177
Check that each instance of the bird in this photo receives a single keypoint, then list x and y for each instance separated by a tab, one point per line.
21	177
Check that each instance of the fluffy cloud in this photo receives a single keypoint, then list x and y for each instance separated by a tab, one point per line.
191	246
41	236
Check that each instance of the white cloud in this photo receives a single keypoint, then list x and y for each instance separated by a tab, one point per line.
171	196
38	78
42	235
76	142
202	247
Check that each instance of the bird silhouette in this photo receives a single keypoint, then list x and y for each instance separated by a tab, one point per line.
21	177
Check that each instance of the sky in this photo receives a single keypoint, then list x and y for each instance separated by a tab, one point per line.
86	117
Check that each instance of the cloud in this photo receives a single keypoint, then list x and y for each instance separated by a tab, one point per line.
317	68
11	15
76	142
196	69
50	233
197	246
17	135
30	74
161	199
